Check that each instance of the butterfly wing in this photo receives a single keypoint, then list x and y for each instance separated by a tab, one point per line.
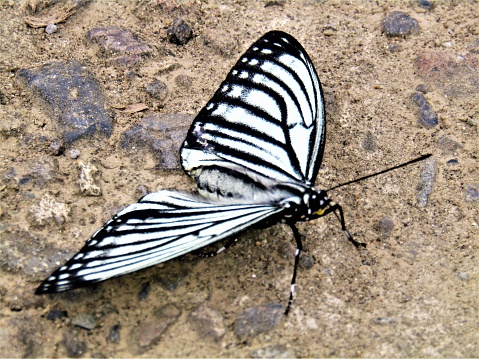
162	226
267	116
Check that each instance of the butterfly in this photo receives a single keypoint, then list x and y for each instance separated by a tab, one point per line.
254	152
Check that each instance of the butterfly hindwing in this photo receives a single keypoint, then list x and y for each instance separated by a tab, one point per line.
267	116
162	226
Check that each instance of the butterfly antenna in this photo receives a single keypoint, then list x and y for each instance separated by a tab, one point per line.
423	157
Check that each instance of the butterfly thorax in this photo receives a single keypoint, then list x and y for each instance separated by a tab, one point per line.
308	205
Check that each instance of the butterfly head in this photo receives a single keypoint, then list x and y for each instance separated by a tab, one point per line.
315	203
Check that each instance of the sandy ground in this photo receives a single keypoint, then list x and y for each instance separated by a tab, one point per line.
413	293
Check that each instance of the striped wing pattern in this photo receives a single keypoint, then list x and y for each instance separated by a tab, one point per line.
162	226
266	122
267	116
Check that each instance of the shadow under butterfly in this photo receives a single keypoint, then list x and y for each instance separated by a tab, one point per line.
254	151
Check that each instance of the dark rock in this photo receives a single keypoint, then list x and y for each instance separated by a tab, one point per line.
426	4
271	352
158	90
369	142
455	74
73	96
145	290
275	3
163	135
453	161
422	88
448	145
122	46
208	322
75	348
426	181
258	320
179	32
85	321
427	116
398	23
55	314
114	336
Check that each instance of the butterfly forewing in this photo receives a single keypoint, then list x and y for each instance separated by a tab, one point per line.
267	116
164	225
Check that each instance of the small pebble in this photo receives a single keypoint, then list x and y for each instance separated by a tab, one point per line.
88	179
386	225
141	191
448	145
56	147
74	153
426	181
369	142
452	162
158	90
422	88
51	28
394	47
85	321
427	116
184	81
56	314
426	4
272	351
145	290
208	322
463	275
258	320
398	23
114	335
306	261
179	32
385	320
472	193
75	348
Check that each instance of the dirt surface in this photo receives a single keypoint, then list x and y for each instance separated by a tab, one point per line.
414	292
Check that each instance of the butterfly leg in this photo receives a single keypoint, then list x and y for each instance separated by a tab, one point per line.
336	208
299	248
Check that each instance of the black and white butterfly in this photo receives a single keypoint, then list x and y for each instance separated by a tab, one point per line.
254	151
